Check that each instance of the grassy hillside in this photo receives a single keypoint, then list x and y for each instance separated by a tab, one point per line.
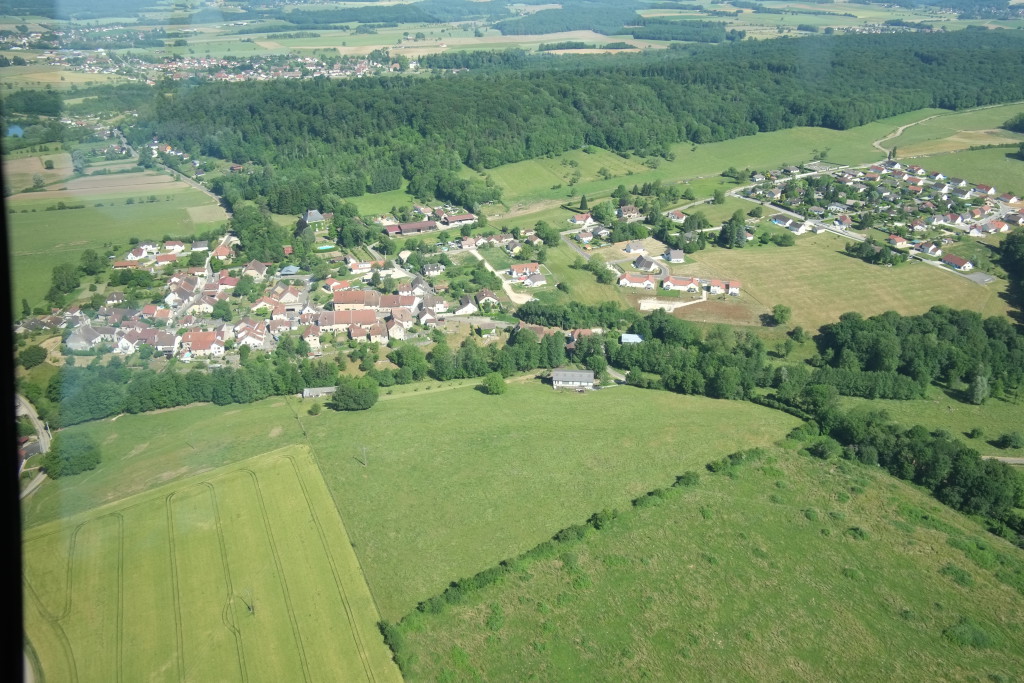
788	569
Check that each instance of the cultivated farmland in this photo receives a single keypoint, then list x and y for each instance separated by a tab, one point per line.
952	131
244	573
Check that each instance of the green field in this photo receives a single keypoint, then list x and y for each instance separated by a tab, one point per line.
435	504
793	569
997	167
949	125
820	283
242	573
41	239
939	411
462	483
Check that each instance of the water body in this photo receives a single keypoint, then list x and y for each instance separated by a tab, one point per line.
15	131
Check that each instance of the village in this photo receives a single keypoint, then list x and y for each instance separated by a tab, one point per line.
200	313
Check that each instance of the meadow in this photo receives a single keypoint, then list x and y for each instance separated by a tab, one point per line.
787	569
242	573
483	483
942	409
41	239
997	167
820	283
450	485
944	132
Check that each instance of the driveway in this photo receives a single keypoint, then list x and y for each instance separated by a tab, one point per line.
516	297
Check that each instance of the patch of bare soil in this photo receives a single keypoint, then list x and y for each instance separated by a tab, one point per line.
276	431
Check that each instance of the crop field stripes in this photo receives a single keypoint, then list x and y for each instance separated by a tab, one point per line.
280	571
240	574
338	583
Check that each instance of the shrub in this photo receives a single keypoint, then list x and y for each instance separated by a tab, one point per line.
32	356
355	394
602	519
968	633
960	576
494	384
1010	440
687	479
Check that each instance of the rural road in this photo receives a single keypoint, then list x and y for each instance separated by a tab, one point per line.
516	297
26	408
877	144
1008	461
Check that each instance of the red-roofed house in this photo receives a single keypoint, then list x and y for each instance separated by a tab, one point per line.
638	281
521	271
957	262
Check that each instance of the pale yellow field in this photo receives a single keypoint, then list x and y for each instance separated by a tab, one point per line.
820	283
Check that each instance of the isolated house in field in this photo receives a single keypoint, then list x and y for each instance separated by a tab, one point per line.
782	220
635	247
580	380
522	271
535	280
732	287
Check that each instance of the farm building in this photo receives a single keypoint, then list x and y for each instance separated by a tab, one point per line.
562	378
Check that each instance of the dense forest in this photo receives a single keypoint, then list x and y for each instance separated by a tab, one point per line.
348	137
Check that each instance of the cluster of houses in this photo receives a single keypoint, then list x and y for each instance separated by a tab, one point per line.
651	274
182	325
443	218
907	195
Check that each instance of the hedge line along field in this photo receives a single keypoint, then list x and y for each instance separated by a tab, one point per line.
243	573
453	485
787	568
